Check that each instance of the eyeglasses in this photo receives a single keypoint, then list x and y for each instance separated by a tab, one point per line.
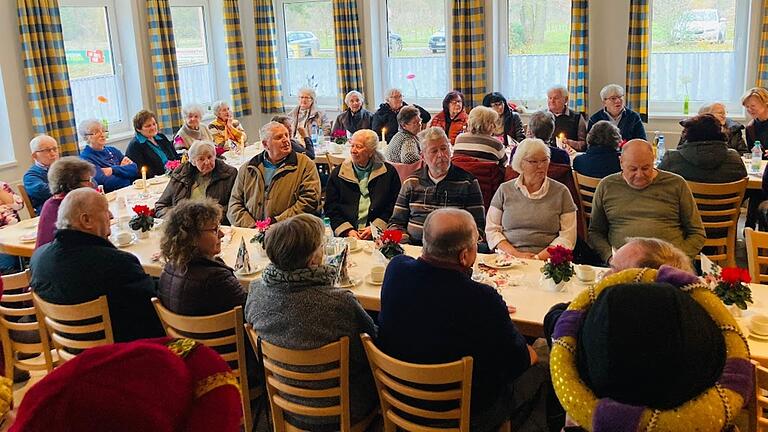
101	132
614	98
88	180
536	162
48	150
455	102
497	104
214	230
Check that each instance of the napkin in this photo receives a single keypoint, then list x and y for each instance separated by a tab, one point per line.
243	263
340	262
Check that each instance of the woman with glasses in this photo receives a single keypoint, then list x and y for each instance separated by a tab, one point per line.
204	176
510	223
113	170
615	111
404	146
509	126
192	130
149	148
362	191
452	119
306	115
194	280
65	175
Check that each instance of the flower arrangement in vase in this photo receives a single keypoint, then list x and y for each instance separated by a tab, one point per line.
261	233
171	165
559	266
339	136
389	243
143	220
731	285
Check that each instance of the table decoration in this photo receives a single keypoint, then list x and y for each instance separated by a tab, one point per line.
243	262
731	285
389	243
339	136
261	226
558	269
142	221
171	165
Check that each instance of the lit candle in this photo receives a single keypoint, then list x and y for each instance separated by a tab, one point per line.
383	133
144	178
561	140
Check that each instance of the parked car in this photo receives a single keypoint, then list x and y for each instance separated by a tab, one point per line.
302	44
437	41
700	25
395	42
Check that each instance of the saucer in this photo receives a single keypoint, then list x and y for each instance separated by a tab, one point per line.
29	237
370	281
255	268
29	223
492	264
758	336
353	282
134	239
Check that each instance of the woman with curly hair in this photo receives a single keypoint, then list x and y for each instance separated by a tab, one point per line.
195	281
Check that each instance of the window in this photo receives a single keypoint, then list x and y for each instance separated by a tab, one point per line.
93	61
535	53
416	50
307	49
698	52
6	144
197	79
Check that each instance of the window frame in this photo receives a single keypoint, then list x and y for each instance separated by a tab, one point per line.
126	125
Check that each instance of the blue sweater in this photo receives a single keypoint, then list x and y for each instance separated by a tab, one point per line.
36	184
110	157
630	125
598	162
432	314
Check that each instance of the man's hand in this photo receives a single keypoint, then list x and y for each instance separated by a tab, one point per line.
365	234
107	171
511	309
125	161
302	131
353	233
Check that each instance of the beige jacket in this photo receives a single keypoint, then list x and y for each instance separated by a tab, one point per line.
295	189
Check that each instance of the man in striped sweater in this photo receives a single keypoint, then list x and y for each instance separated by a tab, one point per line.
436	185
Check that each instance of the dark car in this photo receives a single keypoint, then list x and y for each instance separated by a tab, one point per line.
302	44
395	42
437	41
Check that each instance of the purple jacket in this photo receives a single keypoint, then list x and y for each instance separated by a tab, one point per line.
46	226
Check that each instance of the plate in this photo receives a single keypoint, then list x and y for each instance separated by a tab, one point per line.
134	239
28	238
757	336
353	282
369	281
357	248
255	268
492	264
157	180
111	196
29	223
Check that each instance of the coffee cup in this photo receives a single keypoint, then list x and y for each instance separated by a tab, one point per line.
352	242
759	324
123	238
585	272
377	274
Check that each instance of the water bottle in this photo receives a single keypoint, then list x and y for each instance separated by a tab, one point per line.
314	134
320	141
328	229
655	144
660	149
757	157
330	246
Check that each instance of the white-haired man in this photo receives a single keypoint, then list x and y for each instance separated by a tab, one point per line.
569	124
615	111
45	151
276	183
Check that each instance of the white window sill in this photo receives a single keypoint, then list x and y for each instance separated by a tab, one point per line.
120	137
9	164
681	116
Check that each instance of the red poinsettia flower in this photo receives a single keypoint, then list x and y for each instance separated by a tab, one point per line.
339	133
559	254
172	165
735	275
142	210
262	225
391	236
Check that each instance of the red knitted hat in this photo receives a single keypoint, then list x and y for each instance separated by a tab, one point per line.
158	385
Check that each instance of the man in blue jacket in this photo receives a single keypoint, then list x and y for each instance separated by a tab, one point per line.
615	111
45	151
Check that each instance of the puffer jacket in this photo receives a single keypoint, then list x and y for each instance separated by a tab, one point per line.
705	162
295	189
183	178
205	287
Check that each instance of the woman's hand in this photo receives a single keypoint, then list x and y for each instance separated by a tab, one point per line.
125	161
510	250
302	131
365	234
107	171
353	233
5	197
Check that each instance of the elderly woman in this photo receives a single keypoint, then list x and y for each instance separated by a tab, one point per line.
509	224
731	128
304	143
305	115
113	170
225	130
479	141
404	146
509	124
355	117
704	156
45	151
191	130
294	305
204	176
195	281
615	111
385	119
755	101
361	192
452	119
541	125
10	204
602	156
149	148
65	175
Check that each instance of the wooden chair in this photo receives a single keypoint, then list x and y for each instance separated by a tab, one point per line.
333	161
281	363
207	330
719	205
17	303
758	421
27	202
757	255
586	186
67	323
399	383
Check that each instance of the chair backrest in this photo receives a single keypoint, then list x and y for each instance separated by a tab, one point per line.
16	304
719	205
400	384
208	331
405	170
757	255
488	174
759	403
333	161
27	202
586	186
281	366
76	327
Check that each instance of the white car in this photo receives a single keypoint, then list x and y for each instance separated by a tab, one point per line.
700	25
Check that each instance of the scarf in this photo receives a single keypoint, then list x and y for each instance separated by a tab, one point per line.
299	279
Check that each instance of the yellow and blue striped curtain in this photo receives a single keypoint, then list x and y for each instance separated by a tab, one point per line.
270	90
762	71
349	61
45	68
238	83
468	49
637	56
164	68
578	56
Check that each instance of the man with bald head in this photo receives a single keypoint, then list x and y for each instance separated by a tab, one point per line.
45	151
433	312
81	265
641	201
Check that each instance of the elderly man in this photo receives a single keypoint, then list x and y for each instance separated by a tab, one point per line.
472	320
45	151
642	201
386	116
81	265
437	184
568	123
276	184
615	111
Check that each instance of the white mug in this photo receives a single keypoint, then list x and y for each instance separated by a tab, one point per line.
759	324
377	274
585	272
124	238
